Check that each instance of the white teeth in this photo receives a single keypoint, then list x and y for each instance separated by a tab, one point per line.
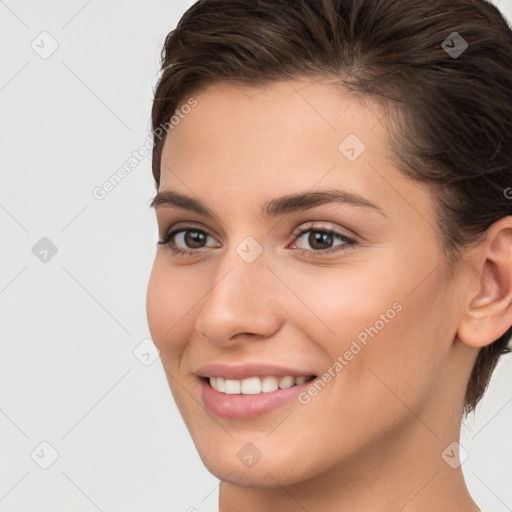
232	387
286	382
255	385
219	383
269	383
251	386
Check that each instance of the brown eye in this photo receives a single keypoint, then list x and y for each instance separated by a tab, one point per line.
321	241
194	239
186	240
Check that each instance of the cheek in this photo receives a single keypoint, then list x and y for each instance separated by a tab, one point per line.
386	332
339	305
169	314
156	302
169	306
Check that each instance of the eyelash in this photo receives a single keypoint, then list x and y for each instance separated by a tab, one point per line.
348	242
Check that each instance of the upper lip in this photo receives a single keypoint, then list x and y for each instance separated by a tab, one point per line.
243	371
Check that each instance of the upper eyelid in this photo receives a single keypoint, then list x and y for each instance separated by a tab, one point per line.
313	226
305	226
175	229
163	216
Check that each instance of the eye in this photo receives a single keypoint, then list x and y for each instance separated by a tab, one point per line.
322	239
185	241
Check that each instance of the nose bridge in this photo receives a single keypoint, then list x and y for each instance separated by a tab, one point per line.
240	297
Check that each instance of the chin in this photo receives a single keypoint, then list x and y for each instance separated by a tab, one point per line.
262	475
239	462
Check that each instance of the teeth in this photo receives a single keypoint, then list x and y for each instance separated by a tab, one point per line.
255	385
218	383
251	386
269	384
286	382
232	387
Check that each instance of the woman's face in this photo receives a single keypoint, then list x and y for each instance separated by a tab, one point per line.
352	289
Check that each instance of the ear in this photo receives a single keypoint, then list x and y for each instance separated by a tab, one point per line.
489	311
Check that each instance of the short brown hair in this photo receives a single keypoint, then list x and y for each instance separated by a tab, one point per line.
452	112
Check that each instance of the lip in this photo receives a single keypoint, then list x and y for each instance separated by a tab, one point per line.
247	370
246	407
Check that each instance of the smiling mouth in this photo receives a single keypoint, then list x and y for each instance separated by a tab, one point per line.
256	385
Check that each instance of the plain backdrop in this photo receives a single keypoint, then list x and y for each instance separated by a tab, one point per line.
87	421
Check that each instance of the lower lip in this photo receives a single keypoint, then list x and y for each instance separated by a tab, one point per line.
245	407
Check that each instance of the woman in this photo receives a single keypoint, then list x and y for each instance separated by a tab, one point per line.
333	283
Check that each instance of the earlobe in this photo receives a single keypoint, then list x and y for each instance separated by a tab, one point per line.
489	312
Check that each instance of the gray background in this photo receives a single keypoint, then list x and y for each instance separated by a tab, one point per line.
75	353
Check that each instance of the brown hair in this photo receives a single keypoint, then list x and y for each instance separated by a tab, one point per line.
452	111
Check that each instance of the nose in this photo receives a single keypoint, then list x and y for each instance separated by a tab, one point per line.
242	301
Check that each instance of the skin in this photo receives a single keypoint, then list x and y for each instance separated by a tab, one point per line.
372	439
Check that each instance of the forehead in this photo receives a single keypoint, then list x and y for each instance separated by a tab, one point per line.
313	104
281	127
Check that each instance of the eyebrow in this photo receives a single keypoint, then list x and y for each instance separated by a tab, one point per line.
273	208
